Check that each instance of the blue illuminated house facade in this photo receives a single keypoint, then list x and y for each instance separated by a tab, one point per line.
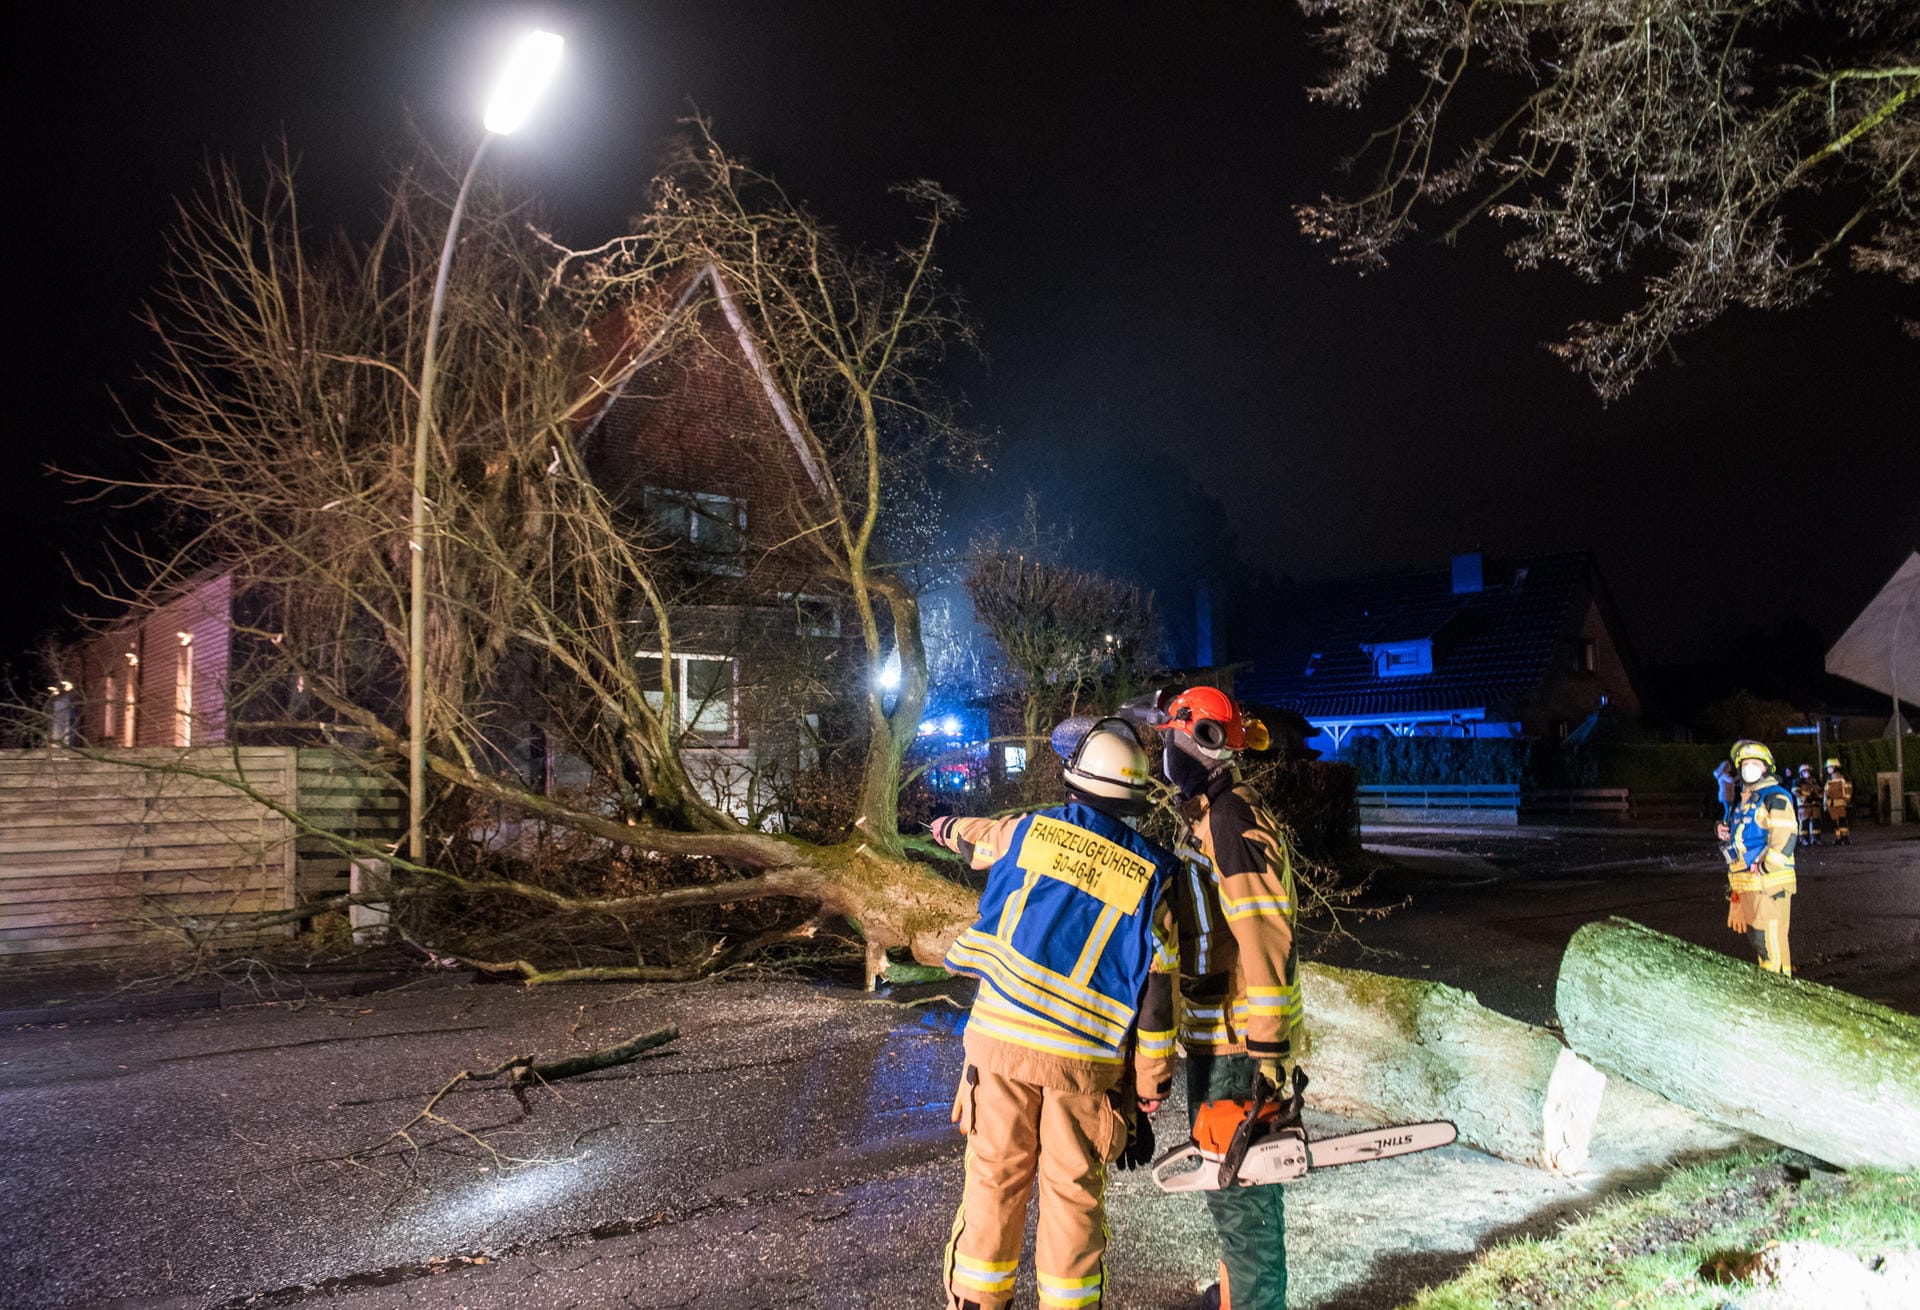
1528	647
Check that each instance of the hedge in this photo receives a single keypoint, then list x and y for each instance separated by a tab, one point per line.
1417	761
1316	799
1654	767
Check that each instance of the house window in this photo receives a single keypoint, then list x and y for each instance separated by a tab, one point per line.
1587	651
129	699
712	525
1401	659
1016	758
60	716
183	691
110	710
703	692
814	616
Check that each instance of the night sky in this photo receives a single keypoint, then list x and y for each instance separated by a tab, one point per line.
1144	295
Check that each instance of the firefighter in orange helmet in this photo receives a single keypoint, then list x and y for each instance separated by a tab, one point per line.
1239	996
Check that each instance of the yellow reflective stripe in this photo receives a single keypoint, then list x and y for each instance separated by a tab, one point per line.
999	1018
1008	977
1058	983
974	1266
1015	907
1096	943
1069	1291
1160	1043
1247	907
964	1279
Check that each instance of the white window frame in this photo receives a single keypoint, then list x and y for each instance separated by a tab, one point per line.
1014	758
684	713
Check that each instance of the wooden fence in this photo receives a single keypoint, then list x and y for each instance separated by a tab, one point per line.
114	851
1440	804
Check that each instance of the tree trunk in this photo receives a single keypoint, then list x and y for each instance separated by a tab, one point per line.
1813	1068
1393	1050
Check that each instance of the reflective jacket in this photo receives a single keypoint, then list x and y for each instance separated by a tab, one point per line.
1761	836
1071	922
1839	792
1235	911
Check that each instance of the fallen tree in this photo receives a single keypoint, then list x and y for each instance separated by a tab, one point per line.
1395	1049
1810	1067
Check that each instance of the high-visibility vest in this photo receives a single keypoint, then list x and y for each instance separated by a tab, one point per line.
1748	838
1066	922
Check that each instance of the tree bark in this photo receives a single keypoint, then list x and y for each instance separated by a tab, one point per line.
1393	1050
1810	1067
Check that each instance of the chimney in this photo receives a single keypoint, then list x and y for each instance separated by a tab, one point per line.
1467	574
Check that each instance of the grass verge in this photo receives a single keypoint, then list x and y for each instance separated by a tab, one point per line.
1710	1236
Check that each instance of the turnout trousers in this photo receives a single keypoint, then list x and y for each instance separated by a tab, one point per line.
1251	1221
1767	934
1837	820
1020	1133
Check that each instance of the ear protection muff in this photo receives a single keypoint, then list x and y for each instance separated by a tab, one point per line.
1210	733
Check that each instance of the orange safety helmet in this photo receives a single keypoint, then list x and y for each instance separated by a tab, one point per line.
1210	717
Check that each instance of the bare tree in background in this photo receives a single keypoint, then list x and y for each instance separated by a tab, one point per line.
1725	152
285	400
1074	640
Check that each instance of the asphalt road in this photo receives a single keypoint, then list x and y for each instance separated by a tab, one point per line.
792	1148
1492	912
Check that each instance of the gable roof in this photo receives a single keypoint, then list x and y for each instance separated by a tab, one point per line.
649	351
1490	647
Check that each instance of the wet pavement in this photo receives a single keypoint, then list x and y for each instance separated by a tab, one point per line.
791	1149
1492	911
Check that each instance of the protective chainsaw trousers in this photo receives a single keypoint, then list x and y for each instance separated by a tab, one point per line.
1251	1221
1767	934
1018	1132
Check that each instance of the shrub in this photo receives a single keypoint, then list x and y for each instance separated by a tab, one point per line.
1317	799
1412	761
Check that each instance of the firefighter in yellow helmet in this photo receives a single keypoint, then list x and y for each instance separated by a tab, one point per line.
1759	843
1839	795
1069	1045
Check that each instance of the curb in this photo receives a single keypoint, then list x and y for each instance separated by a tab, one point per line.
210	998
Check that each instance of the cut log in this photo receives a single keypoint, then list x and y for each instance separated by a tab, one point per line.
1394	1050
1807	1066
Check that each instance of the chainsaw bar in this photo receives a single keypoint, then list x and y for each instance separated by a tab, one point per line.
1286	1155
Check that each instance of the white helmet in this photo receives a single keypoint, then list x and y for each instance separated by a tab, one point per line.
1104	760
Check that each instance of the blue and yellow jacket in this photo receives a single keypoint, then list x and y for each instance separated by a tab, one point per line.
1072	924
1762	834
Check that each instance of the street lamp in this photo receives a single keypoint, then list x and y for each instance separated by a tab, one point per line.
526	74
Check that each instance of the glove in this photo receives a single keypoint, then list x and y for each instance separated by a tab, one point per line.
1273	1070
1742	908
1139	1152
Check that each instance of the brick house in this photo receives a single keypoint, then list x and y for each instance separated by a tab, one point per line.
1528	647
696	445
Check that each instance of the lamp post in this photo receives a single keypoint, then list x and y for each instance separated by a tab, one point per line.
525	76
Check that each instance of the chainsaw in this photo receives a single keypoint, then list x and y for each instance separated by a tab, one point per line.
1252	1144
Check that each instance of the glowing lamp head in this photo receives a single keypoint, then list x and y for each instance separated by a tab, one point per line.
951	725
526	76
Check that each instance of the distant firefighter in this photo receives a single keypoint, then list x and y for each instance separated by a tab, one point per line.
1759	841
1810	796
1839	796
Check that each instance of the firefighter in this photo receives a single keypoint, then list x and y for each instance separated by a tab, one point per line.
1239	985
1839	795
1760	840
1071	921
1727	785
1808	795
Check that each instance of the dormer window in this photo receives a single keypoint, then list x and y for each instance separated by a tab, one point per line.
1401	659
711	524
